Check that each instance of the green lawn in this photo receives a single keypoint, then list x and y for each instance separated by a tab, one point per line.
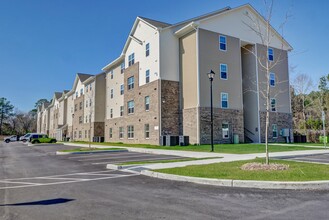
219	148
90	149
298	171
165	161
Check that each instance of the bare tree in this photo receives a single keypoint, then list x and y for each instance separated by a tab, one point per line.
266	34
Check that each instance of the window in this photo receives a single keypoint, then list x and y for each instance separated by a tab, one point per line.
121	132
272	79
131	106
86	119
274	131
80	105
131	59
222	43
121	110
131	82
224	97
80	120
273	105
147	49
122	67
122	89
76	94
225	131
147	103
80	134
90	102
223	71
130	131
270	54
147	76
111	93
111	113
147	131
90	118
110	133
111	73
86	103
81	91
75	107
86	88
90	87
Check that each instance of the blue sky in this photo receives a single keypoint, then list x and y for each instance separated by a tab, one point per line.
44	43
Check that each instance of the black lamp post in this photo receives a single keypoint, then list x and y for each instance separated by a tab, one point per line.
211	75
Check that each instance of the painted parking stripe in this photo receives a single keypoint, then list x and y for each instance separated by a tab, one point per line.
65	182
13	182
146	159
104	154
114	158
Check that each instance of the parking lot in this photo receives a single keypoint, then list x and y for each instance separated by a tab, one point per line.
322	158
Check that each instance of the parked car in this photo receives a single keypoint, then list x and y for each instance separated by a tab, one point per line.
10	139
41	138
26	137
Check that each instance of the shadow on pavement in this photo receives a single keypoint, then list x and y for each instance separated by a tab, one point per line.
42	202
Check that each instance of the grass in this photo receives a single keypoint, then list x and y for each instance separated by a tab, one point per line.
90	149
218	148
165	161
298	171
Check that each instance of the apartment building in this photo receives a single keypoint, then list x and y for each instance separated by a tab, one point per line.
159	85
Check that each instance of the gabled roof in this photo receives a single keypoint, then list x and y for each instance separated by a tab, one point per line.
58	95
158	24
83	76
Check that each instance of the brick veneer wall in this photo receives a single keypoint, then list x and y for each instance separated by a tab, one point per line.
282	120
190	121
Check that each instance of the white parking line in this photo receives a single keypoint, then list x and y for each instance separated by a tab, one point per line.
103	154
146	159
134	156
13	182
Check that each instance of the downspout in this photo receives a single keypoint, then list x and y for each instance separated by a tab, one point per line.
257	83
159	90
198	83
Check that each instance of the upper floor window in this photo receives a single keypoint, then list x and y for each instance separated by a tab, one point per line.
274	131
75	107
80	105
224	100
90	102
76	94
111	113
121	89
273	105
147	76
131	107
222	43
147	103
121	110
147	49
223	71
131	82
272	79
131	59
147	131
86	88
80	119
81	91
90	87
111	74
111	93
122	67
270	54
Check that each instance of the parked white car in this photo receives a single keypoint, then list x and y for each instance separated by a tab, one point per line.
26	137
10	139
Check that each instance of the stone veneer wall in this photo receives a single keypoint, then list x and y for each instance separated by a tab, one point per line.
170	113
282	120
231	116
140	117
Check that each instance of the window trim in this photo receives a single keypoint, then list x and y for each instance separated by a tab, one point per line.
147	76
122	89
228	130
276	131
272	74
147	50
147	131
272	104
130	132
147	104
129	112
220	71
221	100
270	54
222	43
131	85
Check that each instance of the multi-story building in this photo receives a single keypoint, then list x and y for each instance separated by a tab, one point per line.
159	85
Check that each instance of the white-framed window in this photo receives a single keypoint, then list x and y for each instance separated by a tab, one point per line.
122	67
86	103
272	79
80	134
81	91
111	132
274	131
111	93
86	88
147	131
90	86
90	118
76	94
131	82
80	105
223	70
147	49
147	76
131	107
270	54
147	103
80	120
225	130
131	59
121	110
121	132
273	104
130	131
90	102
222	43
224	100
86	119
111	113
122	89
111	74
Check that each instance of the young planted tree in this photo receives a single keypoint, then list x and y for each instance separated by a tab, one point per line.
263	29
6	110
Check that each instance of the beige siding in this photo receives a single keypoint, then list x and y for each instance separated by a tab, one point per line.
100	96
210	58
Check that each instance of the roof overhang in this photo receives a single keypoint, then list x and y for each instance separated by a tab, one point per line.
186	29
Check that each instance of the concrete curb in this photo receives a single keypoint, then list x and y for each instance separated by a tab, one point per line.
313	185
89	152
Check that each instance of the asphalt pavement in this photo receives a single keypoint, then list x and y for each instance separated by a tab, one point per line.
36	184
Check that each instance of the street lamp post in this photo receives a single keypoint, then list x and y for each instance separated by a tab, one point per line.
211	75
